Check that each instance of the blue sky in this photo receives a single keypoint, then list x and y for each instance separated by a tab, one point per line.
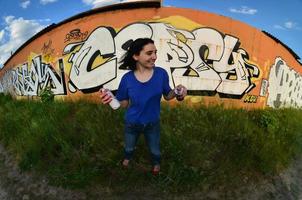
21	19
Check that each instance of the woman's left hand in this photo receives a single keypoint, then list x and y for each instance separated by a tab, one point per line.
183	91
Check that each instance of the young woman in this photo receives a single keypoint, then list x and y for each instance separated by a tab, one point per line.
140	91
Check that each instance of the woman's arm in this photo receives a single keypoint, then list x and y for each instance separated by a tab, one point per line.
124	103
172	94
106	99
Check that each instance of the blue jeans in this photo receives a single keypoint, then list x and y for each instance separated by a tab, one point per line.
151	132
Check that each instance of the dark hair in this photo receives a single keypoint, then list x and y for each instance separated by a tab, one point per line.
134	49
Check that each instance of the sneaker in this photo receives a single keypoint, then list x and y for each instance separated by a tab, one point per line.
125	163
156	169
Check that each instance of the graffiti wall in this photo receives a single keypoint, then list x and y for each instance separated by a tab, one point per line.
219	60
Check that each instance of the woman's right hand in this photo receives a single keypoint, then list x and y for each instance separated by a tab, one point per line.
105	97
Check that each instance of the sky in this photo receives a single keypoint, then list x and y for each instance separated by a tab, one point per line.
21	19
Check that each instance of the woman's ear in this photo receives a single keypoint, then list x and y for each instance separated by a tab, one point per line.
135	57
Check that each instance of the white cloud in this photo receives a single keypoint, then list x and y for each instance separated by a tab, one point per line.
244	10
1	36
17	31
44	2
289	25
279	27
25	4
8	19
101	3
88	2
45	20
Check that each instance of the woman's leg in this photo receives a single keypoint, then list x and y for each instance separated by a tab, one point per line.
131	136
152	137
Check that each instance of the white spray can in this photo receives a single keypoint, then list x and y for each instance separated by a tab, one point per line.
114	103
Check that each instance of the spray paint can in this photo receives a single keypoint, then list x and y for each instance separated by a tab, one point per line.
114	103
179	91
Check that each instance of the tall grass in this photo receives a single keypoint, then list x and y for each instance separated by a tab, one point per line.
79	144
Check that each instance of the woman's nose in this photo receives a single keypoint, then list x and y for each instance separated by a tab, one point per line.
154	56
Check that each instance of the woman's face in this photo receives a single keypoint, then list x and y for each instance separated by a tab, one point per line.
147	56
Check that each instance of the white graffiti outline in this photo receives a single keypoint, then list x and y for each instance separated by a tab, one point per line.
284	87
202	60
28	81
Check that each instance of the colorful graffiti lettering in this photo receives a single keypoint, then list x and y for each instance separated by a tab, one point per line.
75	34
250	99
203	60
263	89
284	86
224	63
47	49
30	80
6	83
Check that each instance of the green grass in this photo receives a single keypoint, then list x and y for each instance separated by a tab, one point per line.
80	144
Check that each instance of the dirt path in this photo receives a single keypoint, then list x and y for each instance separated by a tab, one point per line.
27	186
3	194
